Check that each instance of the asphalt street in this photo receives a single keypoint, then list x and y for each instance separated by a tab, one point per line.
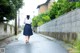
37	44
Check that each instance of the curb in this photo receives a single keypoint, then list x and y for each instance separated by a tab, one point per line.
63	44
6	41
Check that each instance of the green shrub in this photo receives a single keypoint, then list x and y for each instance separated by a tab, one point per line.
77	46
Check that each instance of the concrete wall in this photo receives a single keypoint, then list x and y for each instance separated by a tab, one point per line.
66	27
6	30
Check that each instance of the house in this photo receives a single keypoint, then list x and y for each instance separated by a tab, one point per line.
45	6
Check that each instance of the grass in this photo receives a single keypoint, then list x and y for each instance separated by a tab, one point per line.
76	47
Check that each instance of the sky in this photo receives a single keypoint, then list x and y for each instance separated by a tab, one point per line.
30	5
29	8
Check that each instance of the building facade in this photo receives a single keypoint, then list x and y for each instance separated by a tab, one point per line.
45	6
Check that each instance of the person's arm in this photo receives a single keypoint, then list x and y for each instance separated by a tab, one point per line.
24	21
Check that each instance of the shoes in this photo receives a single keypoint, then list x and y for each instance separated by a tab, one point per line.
27	42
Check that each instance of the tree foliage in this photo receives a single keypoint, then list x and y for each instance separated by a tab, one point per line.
61	7
8	8
40	19
34	21
58	8
77	46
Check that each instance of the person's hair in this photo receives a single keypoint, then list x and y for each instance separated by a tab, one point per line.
28	16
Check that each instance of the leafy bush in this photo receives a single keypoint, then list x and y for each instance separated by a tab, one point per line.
57	9
61	7
40	19
77	46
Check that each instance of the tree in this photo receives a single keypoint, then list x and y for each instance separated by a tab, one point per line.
8	8
58	8
4	9
34	21
40	19
62	6
17	4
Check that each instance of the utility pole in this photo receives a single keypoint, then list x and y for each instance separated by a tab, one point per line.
18	19
16	25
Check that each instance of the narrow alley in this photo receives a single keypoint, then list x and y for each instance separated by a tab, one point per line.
37	44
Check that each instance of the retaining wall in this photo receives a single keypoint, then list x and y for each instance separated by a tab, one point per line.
65	27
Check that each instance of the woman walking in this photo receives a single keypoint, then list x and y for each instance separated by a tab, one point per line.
27	28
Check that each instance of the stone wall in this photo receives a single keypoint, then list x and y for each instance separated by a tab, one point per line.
65	27
6	30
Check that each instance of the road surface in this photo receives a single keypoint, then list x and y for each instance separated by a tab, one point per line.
37	44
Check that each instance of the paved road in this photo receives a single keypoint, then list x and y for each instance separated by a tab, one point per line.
37	44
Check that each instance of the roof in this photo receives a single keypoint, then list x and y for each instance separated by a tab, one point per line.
43	3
